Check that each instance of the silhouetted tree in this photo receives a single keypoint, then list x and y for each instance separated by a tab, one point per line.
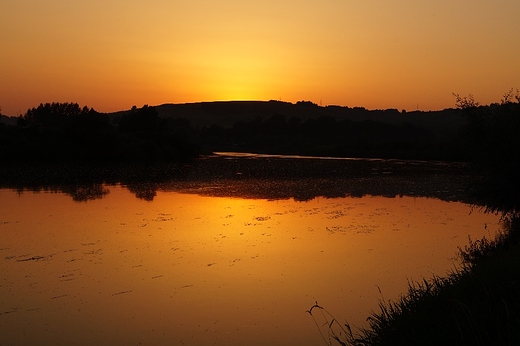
53	114
306	103
145	119
275	125
493	133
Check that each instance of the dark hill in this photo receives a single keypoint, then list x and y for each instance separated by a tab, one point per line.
226	113
174	131
4	119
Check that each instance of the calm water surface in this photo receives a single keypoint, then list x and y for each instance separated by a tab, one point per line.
188	268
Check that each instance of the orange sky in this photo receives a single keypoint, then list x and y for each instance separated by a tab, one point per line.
113	54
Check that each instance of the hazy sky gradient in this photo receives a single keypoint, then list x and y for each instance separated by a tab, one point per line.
114	54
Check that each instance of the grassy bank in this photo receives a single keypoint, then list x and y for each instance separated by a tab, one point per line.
479	304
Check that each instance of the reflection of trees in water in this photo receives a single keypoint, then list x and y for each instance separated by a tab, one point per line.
79	193
83	193
446	187
261	178
499	196
144	190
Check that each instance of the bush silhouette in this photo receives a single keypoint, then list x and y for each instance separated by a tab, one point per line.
66	132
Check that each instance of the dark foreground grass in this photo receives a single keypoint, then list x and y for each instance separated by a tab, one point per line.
478	304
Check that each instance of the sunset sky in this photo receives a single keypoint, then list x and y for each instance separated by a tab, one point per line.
113	54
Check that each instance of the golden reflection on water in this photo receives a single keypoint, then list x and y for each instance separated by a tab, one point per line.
198	270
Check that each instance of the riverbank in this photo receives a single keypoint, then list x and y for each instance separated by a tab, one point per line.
478	304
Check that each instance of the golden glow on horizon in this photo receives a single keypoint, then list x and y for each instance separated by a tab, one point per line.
112	55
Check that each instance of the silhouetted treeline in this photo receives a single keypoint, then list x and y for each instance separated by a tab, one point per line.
65	132
305	128
493	133
492	136
327	136
226	113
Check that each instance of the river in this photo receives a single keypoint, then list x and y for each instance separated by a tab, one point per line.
219	261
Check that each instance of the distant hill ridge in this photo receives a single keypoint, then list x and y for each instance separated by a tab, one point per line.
178	131
442	123
227	113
